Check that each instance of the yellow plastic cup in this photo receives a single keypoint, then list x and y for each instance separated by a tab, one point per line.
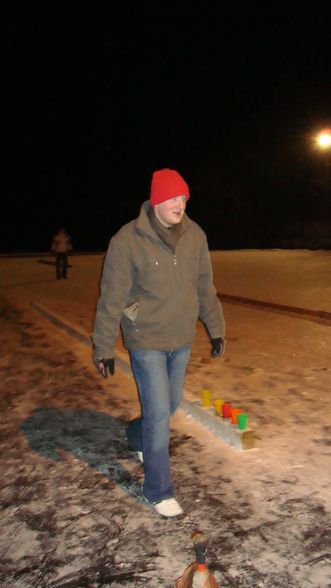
218	405
206	398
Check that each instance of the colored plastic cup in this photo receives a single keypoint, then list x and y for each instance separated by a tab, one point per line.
234	415
242	419
206	398
218	405
226	410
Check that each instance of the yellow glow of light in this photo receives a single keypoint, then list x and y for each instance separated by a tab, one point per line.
324	139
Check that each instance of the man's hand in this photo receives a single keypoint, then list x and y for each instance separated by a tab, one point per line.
218	347
104	366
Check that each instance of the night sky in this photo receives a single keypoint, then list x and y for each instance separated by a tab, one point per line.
231	98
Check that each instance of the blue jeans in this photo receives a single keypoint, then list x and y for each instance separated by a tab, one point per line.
159	377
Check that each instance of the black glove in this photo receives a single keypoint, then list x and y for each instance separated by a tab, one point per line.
105	365
218	346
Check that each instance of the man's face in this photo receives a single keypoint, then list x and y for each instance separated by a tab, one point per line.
171	211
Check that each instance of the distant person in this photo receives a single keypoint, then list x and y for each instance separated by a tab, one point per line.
61	245
156	281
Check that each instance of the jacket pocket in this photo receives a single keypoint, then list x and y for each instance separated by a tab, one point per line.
131	312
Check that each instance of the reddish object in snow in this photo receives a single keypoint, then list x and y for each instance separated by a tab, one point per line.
197	574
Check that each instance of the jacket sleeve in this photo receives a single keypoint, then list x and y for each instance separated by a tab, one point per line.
210	307
115	288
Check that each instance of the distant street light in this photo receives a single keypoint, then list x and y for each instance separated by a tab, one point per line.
323	139
323	144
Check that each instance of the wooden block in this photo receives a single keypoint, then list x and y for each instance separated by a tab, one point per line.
248	439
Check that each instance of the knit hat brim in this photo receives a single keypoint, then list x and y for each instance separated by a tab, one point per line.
167	184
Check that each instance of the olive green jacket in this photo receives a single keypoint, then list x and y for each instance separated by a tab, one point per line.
154	295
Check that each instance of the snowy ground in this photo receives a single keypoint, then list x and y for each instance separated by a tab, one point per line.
72	512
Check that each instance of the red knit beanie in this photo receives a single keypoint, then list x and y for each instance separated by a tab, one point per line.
166	184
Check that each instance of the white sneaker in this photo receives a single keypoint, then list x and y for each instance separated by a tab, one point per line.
141	456
169	507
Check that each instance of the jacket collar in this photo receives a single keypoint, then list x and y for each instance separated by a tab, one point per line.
143	224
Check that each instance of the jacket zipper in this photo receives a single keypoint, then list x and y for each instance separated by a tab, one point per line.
176	290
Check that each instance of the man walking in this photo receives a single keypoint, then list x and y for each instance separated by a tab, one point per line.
156	282
61	245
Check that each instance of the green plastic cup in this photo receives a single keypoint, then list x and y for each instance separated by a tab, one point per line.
242	419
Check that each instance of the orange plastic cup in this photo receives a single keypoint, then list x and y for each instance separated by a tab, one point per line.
234	414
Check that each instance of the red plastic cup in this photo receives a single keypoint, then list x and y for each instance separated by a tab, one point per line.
226	410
